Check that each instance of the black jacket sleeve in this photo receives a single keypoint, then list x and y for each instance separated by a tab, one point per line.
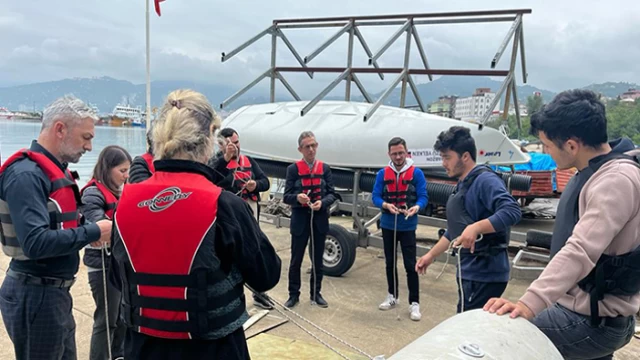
139	170
93	204
329	191
223	177
26	194
262	181
290	191
240	237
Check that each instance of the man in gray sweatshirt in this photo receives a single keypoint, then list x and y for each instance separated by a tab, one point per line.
586	298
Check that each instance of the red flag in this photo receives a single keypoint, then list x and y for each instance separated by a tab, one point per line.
157	4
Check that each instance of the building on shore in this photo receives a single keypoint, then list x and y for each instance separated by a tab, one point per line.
474	107
631	95
445	106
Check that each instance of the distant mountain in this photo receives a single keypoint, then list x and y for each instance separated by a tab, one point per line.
612	89
106	92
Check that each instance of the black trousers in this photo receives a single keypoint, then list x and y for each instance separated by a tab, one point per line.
407	242
38	320
142	347
476	294
316	252
117	329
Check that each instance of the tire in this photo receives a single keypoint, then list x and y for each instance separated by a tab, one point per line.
339	251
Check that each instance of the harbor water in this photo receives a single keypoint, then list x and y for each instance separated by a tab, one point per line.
15	135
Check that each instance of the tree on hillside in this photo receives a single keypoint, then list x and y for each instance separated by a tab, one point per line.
512	127
534	104
623	120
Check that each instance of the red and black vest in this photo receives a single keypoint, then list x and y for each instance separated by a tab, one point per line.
399	189
110	200
173	286
311	179
241	174
62	203
148	158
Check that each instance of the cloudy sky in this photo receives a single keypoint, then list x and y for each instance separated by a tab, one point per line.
569	43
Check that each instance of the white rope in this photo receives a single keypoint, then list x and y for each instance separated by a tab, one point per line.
313	261
106	301
459	268
395	258
274	301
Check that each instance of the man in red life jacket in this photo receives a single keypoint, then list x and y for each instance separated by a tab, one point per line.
239	173
242	176
42	234
400	191
310	192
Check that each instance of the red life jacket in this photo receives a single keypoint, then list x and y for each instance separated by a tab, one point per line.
241	174
109	199
173	286
149	159
312	180
398	189
62	204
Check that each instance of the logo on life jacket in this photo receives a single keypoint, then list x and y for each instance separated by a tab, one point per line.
164	199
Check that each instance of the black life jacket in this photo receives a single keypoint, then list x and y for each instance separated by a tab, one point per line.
613	274
399	189
458	219
173	283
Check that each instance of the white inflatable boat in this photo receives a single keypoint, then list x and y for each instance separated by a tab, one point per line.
270	131
477	334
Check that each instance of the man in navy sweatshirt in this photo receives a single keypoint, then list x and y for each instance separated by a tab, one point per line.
480	204
400	191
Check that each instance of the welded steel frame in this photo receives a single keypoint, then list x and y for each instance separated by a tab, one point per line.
408	25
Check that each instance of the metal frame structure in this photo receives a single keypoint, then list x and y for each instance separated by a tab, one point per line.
408	26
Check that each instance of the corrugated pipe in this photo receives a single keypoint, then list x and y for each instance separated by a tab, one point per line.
438	192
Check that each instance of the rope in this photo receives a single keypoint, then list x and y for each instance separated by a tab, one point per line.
286	309
106	301
313	260
395	260
459	268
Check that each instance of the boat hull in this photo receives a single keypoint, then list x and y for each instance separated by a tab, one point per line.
270	131
497	337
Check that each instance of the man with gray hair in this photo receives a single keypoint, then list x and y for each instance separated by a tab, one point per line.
309	190
42	233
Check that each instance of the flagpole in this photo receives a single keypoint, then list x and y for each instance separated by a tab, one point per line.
148	117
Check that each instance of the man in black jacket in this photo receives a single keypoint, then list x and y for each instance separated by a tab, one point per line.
241	175
42	233
309	190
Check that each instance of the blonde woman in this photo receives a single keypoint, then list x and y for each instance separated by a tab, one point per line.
185	248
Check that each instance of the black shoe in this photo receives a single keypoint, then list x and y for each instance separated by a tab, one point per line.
293	300
319	301
261	302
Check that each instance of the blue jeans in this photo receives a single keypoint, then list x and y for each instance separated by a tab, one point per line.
575	338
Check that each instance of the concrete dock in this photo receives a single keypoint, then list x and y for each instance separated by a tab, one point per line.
352	315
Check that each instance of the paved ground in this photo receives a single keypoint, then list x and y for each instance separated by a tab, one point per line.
352	315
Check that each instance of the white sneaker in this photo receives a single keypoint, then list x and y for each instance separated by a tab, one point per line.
388	303
414	311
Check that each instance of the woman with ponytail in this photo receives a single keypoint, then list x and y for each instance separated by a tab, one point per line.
184	248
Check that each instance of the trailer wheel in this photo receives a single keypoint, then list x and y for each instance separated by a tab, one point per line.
339	251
